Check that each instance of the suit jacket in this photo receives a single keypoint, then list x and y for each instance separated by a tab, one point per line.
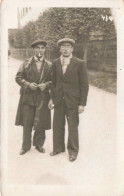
27	74
72	86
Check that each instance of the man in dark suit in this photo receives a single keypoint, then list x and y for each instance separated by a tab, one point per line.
34	77
69	96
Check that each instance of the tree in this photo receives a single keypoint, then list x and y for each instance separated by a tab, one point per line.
56	23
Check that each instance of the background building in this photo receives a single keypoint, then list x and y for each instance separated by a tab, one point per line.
27	14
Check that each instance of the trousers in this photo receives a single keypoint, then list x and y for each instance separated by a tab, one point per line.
28	121
60	113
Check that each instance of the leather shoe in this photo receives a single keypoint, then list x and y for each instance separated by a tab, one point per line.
55	153
40	149
72	158
23	151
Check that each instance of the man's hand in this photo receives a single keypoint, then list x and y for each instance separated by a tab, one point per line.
80	109
33	86
42	86
50	104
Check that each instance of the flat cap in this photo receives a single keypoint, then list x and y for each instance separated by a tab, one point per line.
68	40
39	41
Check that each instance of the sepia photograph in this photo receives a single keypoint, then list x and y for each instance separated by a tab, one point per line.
62	110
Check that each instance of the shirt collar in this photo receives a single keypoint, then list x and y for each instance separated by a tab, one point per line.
69	57
38	59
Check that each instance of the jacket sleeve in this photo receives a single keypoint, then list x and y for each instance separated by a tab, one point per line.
83	83
20	77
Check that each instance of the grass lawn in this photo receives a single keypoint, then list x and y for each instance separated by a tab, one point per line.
103	80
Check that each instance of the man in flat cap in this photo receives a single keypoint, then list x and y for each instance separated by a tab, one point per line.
34	77
69	96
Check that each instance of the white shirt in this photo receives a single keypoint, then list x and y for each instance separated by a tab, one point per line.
65	62
38	62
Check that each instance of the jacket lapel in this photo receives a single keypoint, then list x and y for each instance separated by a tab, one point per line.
60	67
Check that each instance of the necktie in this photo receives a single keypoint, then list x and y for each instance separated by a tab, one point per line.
39	59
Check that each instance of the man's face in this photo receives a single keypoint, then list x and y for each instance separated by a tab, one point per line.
66	49
39	50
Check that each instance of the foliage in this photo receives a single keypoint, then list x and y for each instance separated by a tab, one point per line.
57	23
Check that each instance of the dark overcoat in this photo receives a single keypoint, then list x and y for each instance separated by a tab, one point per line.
27	74
72	85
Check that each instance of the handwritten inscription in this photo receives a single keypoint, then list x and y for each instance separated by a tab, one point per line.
106	18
